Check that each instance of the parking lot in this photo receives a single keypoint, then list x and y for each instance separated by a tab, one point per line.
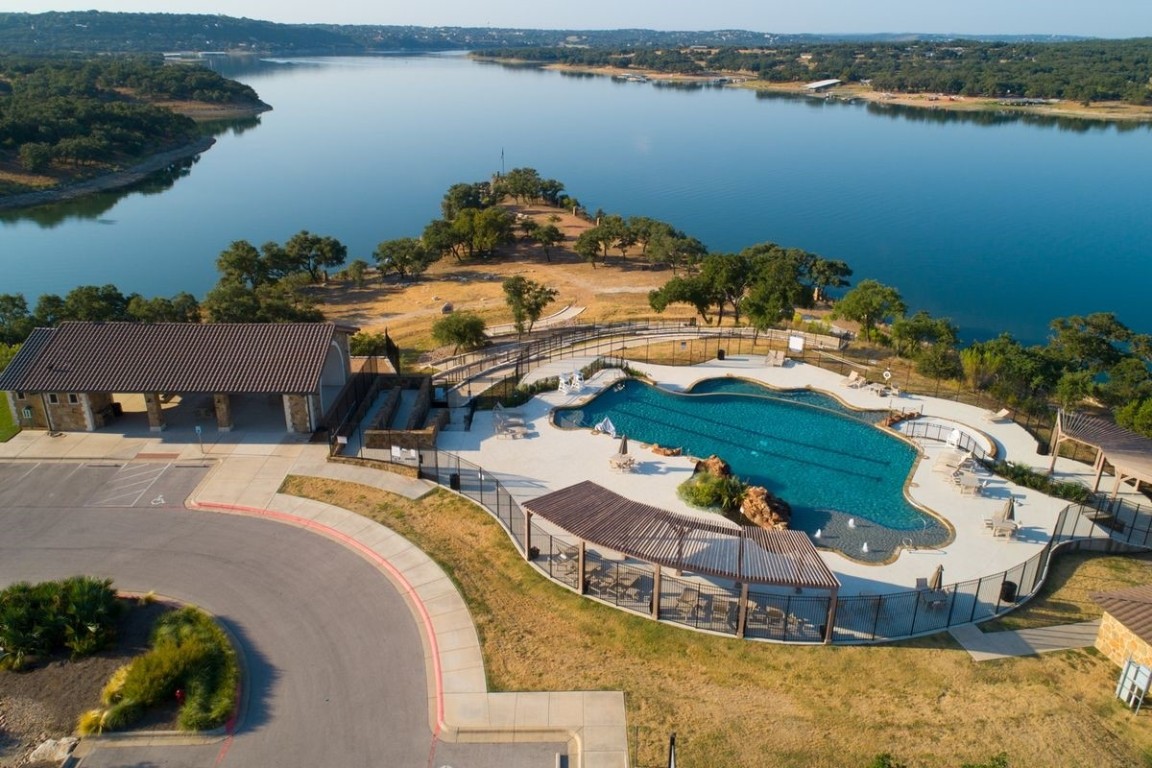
99	484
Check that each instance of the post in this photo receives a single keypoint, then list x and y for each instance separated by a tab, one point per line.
742	619
527	534
656	591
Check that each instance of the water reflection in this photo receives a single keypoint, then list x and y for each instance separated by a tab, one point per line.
95	205
983	117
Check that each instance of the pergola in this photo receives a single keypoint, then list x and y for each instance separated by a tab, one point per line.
1129	454
744	554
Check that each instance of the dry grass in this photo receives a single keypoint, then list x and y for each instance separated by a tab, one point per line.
408	309
739	703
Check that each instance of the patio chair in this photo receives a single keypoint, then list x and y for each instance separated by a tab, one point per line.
1003	414
970	484
688	604
722	609
954	461
1006	528
576	381
853	380
565	385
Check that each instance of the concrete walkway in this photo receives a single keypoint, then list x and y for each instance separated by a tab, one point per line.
984	646
248	472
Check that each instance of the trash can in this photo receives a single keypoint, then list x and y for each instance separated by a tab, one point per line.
454	481
719	354
1008	592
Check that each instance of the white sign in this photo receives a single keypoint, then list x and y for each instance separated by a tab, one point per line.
795	343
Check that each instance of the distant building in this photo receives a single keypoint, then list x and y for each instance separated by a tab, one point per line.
821	85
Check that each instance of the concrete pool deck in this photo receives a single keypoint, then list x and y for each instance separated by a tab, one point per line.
548	458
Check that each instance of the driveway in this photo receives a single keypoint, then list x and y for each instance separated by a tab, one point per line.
335	668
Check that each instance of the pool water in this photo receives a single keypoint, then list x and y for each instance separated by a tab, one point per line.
842	477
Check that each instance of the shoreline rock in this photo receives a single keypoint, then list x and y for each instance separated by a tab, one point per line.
765	509
110	181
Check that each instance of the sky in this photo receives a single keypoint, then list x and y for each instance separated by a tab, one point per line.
1098	18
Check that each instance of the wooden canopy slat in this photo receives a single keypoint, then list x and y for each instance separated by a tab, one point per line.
746	554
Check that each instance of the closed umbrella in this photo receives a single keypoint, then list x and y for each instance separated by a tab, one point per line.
624	445
936	583
1010	509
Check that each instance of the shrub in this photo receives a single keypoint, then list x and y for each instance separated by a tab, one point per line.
1022	474
190	652
78	614
709	491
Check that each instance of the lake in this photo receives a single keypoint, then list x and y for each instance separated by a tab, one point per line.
999	224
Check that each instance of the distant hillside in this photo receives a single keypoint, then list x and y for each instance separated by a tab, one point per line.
98	32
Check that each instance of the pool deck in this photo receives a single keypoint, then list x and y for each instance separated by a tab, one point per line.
548	458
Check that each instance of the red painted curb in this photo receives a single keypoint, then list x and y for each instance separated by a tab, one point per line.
373	557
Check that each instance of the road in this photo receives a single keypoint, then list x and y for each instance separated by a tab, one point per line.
335	668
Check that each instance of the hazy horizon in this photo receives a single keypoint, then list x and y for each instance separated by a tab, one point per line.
1104	18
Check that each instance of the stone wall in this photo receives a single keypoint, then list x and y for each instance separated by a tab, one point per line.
33	402
1119	643
67	416
297	407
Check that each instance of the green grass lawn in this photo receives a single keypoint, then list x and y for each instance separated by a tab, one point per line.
7	425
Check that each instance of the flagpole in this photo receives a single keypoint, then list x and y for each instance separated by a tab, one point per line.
501	161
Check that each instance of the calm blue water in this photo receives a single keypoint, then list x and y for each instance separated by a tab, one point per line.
734	386
828	466
1000	226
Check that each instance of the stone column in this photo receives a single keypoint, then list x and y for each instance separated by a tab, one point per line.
223	405
155	411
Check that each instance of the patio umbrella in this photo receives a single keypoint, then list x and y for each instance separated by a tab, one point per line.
1010	509
937	581
624	445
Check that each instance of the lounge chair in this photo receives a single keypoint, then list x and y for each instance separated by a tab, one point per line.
954	461
688	604
1005	528
1003	414
854	380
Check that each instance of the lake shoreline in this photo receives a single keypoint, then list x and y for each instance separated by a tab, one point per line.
201	112
109	181
1104	112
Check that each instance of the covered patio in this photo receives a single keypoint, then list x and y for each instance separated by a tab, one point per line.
755	582
1129	453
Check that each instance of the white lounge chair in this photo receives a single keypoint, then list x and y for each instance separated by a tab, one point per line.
576	381
954	461
1003	414
565	385
854	380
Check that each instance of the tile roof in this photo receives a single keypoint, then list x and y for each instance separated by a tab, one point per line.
742	553
1131	607
172	357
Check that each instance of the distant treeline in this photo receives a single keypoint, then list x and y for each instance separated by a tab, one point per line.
99	32
75	112
1088	70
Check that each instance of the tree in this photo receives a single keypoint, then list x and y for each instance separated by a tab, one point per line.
461	329
182	308
728	276
552	192
442	238
15	321
1128	380
939	361
588	246
1073	388
1092	342
241	262
869	303
463	196
95	303
406	256
911	334
524	184
1136	416
7	352
364	344
357	268
527	300
314	254
825	274
547	237
693	290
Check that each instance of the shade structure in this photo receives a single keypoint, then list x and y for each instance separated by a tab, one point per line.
624	445
1010	509
937	581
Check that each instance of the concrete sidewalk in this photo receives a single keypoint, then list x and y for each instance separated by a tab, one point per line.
985	646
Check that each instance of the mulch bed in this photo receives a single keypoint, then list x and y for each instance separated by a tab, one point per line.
46	700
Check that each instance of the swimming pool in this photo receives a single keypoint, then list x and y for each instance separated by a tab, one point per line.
844	478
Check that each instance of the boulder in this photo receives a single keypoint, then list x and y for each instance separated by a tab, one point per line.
53	750
766	509
713	465
662	451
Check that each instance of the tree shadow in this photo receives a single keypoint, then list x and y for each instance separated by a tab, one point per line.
258	677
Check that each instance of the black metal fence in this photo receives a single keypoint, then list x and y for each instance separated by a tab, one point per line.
784	614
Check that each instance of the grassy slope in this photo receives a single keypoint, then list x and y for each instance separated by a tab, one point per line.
7	426
739	703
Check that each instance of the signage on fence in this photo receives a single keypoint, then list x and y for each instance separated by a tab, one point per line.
795	343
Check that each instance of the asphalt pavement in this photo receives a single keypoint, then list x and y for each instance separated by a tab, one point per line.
335	670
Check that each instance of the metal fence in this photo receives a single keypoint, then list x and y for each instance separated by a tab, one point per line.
783	614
